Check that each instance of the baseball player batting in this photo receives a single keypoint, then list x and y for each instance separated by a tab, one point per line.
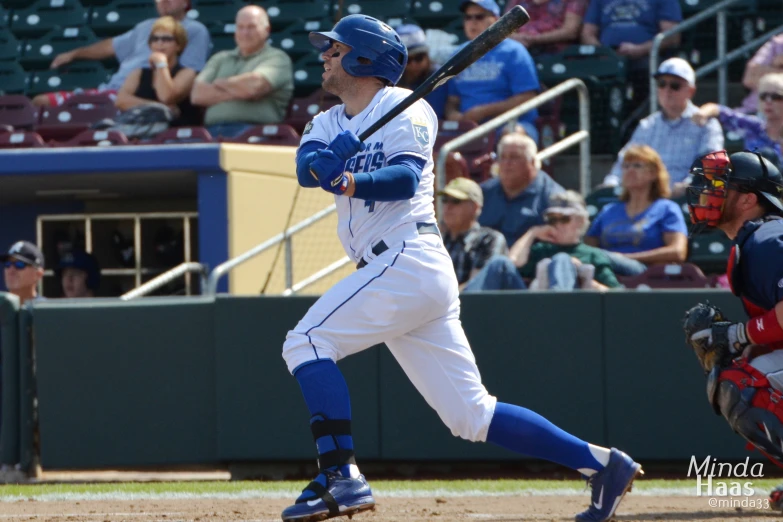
404	292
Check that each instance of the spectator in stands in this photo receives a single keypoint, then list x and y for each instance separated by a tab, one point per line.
670	131
552	255
166	80
133	52
644	227
553	25
24	268
79	274
419	66
767	60
628	27
498	81
757	133
248	86
469	244
517	198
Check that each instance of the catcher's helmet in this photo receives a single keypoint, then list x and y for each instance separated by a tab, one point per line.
379	45
716	173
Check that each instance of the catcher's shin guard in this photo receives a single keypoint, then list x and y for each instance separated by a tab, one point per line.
752	407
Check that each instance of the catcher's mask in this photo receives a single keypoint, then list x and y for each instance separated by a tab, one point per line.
716	173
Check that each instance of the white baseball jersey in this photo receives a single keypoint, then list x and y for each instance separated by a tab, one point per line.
407	296
361	224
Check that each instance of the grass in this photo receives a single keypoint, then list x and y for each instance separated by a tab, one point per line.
285	489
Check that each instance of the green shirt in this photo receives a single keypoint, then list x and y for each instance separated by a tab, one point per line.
273	64
584	253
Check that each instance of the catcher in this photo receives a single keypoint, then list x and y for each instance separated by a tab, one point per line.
741	195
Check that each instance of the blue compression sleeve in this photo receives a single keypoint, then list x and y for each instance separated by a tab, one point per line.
305	155
396	182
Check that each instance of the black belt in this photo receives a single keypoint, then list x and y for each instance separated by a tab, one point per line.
380	247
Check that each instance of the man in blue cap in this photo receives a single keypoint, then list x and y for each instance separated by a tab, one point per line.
79	274
419	66
498	81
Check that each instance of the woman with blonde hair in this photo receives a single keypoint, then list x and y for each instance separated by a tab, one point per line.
758	134
166	81
644	227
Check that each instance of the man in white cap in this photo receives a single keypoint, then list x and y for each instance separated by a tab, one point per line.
670	131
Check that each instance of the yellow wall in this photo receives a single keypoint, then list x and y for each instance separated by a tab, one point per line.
262	189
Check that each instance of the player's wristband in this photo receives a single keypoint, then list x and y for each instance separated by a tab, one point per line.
765	329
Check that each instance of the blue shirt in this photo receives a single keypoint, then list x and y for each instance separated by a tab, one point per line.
632	21
760	265
514	217
617	232
505	71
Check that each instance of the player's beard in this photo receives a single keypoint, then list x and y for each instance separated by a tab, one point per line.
338	83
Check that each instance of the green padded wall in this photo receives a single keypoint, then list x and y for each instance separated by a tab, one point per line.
126	383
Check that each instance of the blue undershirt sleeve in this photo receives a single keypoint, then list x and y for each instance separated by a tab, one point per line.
305	155
396	182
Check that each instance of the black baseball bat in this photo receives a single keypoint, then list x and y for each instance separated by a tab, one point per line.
493	35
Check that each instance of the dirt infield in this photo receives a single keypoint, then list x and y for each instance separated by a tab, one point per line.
485	509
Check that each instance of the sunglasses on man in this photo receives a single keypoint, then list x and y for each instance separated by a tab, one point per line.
451	201
675	86
161	38
770	96
554	219
19	265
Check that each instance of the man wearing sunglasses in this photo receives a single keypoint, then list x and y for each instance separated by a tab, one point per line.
132	50
670	131
23	268
741	196
500	80
419	66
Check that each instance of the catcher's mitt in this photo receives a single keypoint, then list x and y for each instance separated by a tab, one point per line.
713	351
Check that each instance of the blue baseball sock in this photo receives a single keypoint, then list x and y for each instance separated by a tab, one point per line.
523	431
326	395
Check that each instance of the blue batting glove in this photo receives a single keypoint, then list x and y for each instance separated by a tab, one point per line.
346	145
329	169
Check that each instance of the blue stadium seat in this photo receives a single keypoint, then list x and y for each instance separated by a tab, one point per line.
38	53
222	35
76	75
44	15
709	251
307	74
393	13
283	13
120	16
294	39
436	13
13	79
4	16
10	48
600	197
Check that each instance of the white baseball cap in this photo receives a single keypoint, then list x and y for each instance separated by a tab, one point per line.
679	68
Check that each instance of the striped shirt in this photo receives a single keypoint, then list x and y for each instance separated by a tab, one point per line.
679	142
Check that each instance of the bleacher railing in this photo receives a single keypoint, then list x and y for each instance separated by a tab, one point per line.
166	278
582	136
719	11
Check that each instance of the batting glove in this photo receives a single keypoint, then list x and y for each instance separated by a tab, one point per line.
330	171
731	335
346	145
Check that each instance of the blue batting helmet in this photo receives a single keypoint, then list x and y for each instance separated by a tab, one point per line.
384	54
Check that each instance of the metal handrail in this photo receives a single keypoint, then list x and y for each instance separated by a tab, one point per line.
582	136
223	268
739	51
167	277
655	51
298	287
